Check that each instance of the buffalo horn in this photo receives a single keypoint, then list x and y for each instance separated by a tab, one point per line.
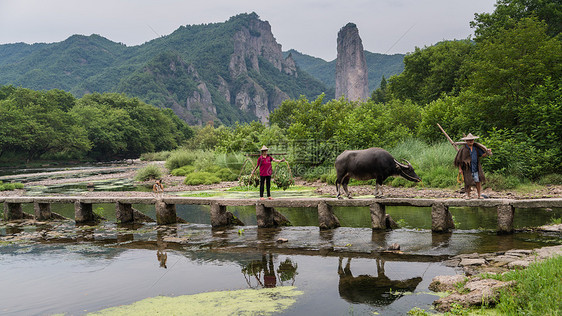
409	164
401	165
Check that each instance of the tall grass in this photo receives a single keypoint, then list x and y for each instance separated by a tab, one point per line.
433	163
201	159
538	290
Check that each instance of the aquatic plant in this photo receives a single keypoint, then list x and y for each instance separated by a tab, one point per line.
240	302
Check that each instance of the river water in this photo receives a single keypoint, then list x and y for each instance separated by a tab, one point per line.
345	271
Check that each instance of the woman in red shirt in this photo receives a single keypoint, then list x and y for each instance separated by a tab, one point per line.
264	162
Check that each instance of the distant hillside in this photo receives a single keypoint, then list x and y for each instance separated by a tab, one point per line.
226	72
378	65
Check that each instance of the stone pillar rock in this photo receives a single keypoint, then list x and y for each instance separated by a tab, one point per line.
351	66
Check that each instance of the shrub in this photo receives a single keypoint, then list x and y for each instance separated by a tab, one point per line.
149	172
195	178
227	174
198	158
180	158
9	187
183	171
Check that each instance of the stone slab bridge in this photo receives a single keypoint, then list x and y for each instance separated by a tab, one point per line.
266	214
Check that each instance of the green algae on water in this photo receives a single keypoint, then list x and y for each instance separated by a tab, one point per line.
240	302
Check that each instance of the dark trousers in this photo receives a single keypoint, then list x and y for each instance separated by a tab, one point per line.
267	180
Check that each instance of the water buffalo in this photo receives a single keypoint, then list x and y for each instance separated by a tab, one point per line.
372	163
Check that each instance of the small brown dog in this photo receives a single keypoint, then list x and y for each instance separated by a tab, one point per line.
158	187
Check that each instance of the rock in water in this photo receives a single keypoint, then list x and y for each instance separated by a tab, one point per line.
351	67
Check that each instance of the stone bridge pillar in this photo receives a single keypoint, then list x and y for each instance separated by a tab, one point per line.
165	213
12	211
378	216
326	218
220	217
42	211
441	218
268	217
506	212
83	213
124	212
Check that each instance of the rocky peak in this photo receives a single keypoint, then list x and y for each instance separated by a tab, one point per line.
351	67
256	40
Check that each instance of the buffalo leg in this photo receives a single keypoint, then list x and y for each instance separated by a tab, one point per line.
345	181
339	181
338	184
378	189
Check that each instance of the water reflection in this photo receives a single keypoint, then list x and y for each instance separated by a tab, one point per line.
264	273
374	290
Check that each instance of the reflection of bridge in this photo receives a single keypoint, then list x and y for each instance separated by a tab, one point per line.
266	214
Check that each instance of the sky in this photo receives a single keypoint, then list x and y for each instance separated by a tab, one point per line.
308	26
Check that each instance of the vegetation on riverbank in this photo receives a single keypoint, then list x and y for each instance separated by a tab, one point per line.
10	186
538	291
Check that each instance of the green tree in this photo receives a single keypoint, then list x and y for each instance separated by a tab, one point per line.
505	70
431	72
509	12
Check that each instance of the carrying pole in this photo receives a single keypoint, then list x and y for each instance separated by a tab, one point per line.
448	138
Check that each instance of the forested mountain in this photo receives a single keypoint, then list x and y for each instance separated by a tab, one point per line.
378	65
226	72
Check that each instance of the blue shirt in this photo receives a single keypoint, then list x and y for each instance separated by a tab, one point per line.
474	154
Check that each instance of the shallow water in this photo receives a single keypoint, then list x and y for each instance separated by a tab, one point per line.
87	268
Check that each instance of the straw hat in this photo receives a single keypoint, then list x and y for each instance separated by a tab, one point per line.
264	148
470	137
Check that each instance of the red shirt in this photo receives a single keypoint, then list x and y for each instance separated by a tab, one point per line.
265	165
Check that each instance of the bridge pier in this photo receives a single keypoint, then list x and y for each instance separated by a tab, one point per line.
124	212
83	213
441	218
506	212
42	211
165	213
220	217
268	217
12	211
378	216
326	217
